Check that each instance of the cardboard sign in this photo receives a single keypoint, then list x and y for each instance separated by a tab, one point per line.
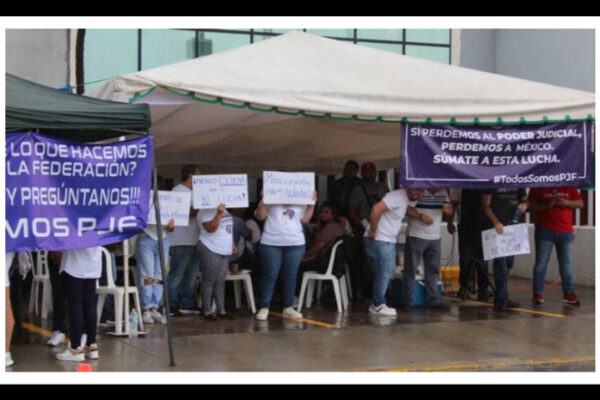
211	190
515	240
174	205
288	187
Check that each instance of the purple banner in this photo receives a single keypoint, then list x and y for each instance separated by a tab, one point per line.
480	157
64	195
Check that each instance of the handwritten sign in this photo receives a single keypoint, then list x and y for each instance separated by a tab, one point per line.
288	187
174	205
515	240
211	190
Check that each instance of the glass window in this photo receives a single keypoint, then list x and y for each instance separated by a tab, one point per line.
163	47
338	33
438	36
395	48
440	54
380	34
120	44
216	42
258	31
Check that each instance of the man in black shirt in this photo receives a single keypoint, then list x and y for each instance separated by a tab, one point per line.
500	207
469	241
343	187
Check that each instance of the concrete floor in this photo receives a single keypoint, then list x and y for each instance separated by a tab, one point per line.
472	337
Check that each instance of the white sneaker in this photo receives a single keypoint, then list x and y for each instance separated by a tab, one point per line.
91	351
8	361
383	310
71	355
291	313
147	317
156	316
262	314
57	338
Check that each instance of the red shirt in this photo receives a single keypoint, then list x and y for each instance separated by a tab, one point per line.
556	219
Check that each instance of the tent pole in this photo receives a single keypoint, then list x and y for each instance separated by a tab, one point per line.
161	253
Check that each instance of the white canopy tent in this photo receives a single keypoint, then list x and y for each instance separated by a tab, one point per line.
303	102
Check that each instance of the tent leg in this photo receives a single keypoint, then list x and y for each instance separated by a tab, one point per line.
162	256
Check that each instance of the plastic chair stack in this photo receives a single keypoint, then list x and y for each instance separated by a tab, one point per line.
340	287
118	293
41	281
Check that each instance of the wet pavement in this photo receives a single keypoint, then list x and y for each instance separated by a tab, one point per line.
471	337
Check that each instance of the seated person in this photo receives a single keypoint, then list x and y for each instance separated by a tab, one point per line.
327	230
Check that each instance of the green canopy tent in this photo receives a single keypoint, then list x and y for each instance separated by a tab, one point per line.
30	106
34	107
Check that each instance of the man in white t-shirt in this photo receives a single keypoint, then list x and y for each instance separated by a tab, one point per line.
185	260
385	224
423	241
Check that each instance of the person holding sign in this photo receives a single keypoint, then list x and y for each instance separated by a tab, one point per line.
553	208
500	207
149	272
184	257
381	237
215	246
282	247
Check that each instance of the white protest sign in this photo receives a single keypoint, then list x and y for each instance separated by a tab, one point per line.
515	240
288	187
212	190
175	205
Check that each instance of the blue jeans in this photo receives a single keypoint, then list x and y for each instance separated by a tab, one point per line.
185	262
385	266
502	267
148	266
544	240
276	260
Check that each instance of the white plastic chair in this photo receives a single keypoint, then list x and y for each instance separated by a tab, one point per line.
339	285
41	281
118	293
243	275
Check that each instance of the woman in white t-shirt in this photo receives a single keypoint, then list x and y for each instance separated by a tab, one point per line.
282	247
79	270
215	245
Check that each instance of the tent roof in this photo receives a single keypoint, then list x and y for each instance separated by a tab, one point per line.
270	87
32	106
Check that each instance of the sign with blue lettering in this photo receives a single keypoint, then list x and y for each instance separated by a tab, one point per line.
288	187
63	195
514	240
173	205
211	190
